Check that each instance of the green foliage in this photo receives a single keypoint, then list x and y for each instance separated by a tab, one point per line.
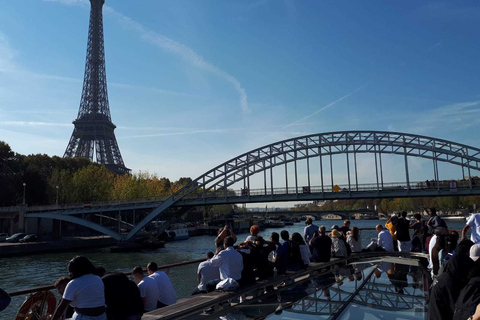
75	180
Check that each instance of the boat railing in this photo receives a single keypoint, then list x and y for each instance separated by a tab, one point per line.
165	268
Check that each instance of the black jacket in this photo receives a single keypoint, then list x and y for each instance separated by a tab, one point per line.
447	287
468	300
403	234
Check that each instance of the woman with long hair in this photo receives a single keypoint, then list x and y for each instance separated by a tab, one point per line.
354	241
304	249
85	292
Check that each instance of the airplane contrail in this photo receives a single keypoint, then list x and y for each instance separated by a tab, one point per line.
325	107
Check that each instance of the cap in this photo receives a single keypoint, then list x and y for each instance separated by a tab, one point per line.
335	227
475	252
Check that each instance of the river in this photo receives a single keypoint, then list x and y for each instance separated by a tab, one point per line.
39	270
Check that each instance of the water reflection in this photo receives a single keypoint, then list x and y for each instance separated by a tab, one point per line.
357	292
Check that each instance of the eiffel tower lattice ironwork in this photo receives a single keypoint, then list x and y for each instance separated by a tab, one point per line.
93	132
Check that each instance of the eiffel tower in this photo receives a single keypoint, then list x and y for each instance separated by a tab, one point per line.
93	132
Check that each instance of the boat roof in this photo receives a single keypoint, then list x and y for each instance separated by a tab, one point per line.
363	286
381	288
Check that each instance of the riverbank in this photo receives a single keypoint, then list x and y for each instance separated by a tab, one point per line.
62	245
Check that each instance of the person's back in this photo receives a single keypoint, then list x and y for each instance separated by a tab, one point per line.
402	229
261	252
86	291
473	223
385	240
308	231
305	254
122	297
338	247
294	256
208	274
150	292
229	261
447	286
355	244
249	257
166	294
322	248
468	300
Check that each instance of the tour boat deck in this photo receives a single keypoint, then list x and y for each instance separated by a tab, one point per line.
365	286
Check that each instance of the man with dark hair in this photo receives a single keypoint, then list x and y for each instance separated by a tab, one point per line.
122	297
418	223
207	276
166	293
435	221
229	261
322	246
403	234
309	230
148	289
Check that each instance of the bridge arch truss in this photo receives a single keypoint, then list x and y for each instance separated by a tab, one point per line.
349	143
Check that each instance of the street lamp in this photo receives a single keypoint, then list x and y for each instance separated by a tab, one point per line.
56	187
24	185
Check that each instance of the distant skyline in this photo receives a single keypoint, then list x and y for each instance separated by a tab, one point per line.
194	83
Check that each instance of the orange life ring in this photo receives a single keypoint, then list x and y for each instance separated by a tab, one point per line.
40	305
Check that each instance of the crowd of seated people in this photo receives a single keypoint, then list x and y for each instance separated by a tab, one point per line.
91	293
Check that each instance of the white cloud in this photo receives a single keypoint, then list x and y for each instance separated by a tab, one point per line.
162	42
34	124
6	52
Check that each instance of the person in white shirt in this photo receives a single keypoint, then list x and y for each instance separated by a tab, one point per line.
474	223
85	292
384	239
166	293
354	241
229	261
207	274
148	289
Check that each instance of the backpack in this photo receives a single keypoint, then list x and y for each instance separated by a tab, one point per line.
468	300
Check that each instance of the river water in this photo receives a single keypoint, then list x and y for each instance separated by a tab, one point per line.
39	270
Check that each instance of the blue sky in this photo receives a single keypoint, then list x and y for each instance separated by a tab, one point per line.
195	83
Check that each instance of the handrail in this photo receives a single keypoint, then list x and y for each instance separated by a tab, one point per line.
50	287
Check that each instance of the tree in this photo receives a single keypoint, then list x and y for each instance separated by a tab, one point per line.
93	183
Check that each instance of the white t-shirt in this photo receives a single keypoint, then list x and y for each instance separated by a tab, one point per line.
166	294
86	291
251	238
149	290
474	223
208	273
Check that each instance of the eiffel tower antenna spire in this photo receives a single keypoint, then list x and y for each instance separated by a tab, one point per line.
93	132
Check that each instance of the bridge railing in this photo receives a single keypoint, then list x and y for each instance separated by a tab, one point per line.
418	185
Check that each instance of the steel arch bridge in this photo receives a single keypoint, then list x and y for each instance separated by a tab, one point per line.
214	186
